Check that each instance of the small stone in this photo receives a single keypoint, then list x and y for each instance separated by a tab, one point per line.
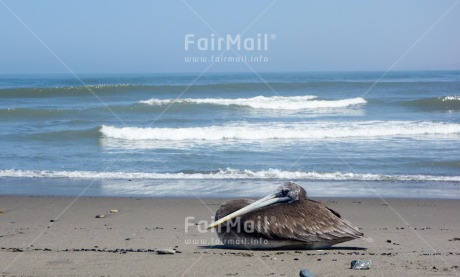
360	264
100	216
165	251
388	241
306	273
2	211
114	211
52	220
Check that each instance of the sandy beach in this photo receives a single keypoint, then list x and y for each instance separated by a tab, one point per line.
126	125
62	236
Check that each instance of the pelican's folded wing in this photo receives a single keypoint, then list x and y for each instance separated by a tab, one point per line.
313	222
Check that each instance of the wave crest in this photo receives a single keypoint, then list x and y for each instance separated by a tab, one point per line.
450	98
274	130
436	103
224	174
263	102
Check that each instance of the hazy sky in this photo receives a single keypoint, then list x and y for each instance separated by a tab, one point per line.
149	36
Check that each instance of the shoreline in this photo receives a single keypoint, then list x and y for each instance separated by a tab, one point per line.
412	237
319	198
238	188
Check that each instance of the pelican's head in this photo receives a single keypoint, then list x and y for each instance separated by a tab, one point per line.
287	193
290	190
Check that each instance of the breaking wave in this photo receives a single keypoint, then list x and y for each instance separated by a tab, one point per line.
263	102
275	130
224	174
437	103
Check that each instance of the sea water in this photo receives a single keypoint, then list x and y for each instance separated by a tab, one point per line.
233	134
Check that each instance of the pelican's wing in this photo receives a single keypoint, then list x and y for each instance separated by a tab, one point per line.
312	222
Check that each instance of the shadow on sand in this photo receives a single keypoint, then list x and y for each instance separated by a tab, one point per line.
344	248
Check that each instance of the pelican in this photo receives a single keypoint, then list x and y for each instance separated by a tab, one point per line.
285	219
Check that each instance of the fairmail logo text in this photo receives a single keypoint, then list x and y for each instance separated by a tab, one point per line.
229	42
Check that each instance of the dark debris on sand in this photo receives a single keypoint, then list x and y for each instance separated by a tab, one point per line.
94	249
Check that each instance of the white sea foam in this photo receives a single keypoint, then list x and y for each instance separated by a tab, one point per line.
277	130
262	102
451	98
225	174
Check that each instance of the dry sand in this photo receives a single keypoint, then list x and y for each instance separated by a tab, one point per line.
62	236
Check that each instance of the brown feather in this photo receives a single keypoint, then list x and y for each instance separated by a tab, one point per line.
304	221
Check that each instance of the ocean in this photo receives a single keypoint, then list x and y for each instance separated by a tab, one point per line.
338	134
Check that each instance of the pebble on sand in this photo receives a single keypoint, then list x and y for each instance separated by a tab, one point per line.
2	211
114	211
306	273
361	264
165	251
100	216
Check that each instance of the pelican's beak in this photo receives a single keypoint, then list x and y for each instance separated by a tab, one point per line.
264	202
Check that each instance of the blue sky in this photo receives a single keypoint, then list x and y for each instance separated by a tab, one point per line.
148	36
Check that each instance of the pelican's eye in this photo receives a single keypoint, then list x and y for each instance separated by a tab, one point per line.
284	192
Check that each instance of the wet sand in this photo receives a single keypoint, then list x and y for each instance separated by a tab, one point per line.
62	236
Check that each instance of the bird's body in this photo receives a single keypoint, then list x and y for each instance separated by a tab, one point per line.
290	220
